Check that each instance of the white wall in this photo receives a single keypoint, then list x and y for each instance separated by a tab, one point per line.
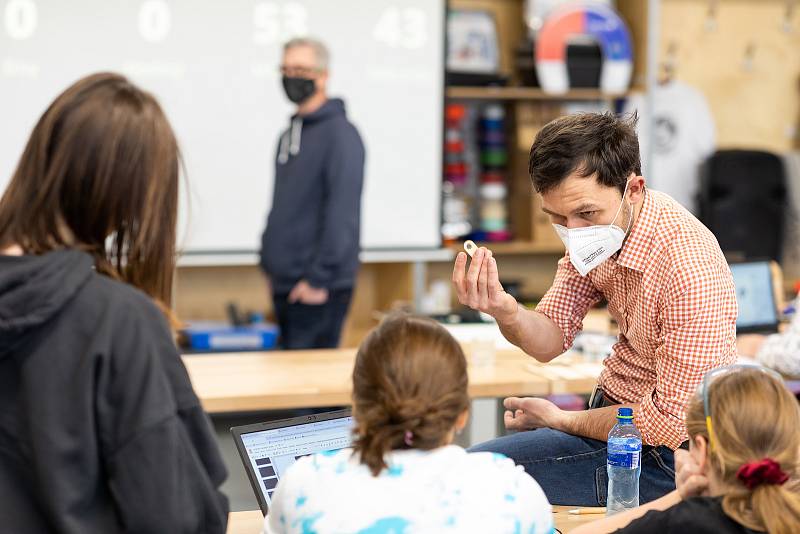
214	66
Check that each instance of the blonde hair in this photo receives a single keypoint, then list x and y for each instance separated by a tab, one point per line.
755	417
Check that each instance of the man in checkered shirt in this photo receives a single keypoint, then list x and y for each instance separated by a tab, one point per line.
668	286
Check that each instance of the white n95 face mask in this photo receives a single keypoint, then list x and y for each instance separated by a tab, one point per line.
590	246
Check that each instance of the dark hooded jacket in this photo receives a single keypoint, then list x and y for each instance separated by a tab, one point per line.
100	430
314	225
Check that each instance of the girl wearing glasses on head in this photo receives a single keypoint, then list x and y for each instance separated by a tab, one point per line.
741	473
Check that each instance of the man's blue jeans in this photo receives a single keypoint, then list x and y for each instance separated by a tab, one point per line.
572	470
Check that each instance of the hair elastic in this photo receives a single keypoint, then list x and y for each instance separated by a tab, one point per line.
766	471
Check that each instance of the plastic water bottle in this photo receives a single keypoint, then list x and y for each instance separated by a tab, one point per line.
624	463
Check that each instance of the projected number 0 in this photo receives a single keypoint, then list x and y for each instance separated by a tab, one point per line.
155	20
21	19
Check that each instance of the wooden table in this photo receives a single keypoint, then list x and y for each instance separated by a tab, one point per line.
258	381
252	522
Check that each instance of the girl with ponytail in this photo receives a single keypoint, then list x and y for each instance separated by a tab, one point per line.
741	473
403	473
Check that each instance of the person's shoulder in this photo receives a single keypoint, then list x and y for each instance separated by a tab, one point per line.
503	472
118	301
515	491
685	242
126	325
120	291
134	304
701	503
301	469
304	473
700	515
496	466
676	225
491	461
704	506
347	132
327	462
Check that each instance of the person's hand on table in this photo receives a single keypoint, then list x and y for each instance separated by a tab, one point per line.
479	286
530	413
688	478
304	293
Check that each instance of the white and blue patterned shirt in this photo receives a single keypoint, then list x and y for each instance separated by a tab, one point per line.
782	351
444	490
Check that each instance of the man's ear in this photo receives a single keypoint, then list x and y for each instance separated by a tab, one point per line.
635	188
321	82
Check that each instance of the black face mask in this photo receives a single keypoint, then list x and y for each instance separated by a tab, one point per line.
298	90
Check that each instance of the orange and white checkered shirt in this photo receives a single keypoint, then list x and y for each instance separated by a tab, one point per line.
672	294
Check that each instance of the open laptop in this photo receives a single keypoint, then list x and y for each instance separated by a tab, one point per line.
755	294
268	449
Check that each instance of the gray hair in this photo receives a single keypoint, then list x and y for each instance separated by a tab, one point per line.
320	50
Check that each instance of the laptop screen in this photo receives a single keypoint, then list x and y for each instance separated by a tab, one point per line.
755	296
271	452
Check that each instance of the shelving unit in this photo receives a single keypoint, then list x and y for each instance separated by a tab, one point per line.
525	93
530	108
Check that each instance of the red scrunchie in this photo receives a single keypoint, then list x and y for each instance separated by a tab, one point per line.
766	471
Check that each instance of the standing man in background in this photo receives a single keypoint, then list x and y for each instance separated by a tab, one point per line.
309	249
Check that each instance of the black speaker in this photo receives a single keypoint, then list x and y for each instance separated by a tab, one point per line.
584	63
743	201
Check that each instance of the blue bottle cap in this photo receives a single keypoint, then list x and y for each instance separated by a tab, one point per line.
625	413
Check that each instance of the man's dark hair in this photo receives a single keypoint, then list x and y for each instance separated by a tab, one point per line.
588	143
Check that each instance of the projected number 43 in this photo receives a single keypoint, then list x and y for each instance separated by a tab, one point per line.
395	27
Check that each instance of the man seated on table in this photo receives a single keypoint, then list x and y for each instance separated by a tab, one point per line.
667	285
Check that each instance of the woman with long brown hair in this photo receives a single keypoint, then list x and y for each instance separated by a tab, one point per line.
403	474
742	472
100	430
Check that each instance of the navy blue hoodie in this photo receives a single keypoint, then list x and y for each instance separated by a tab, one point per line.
313	229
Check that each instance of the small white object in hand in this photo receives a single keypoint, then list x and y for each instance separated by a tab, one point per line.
470	247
